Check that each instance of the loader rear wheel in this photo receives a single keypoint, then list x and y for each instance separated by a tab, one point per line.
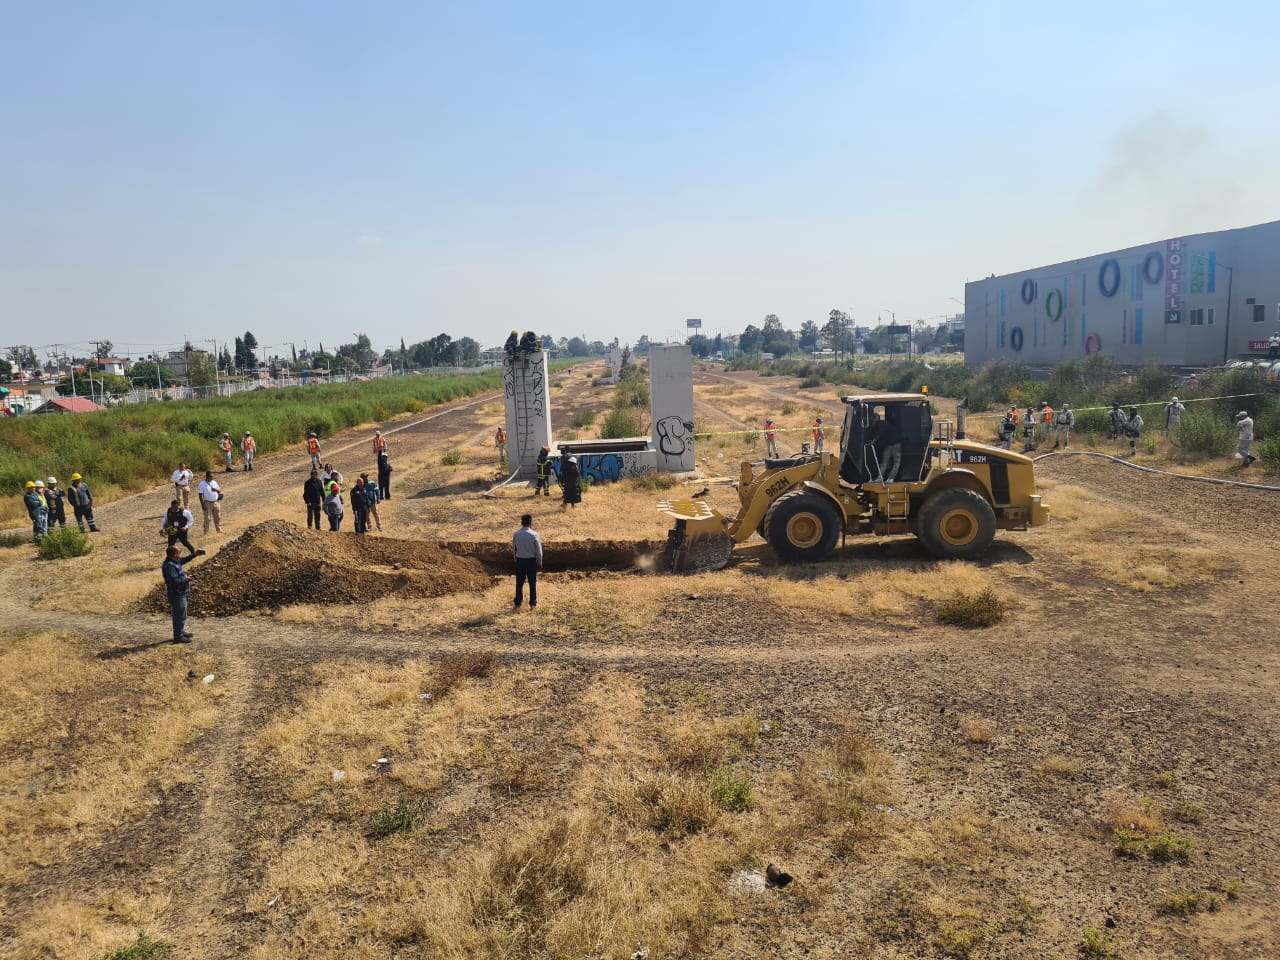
802	527
956	524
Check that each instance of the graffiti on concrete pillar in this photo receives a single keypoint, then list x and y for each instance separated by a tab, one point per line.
674	437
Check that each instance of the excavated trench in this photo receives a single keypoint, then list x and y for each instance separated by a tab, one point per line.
276	563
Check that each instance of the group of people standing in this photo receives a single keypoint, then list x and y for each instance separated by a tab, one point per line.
46	504
1037	425
248	448
567	473
322	491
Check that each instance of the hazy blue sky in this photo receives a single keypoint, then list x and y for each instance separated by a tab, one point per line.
309	170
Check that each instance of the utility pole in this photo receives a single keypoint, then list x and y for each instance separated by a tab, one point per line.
217	382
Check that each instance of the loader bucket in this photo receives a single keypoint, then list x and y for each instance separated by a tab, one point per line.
700	539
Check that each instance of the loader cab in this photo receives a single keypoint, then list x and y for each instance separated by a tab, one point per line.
872	423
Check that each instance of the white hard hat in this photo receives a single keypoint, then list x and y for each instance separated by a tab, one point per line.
1242	413
53	481
39	483
1174	400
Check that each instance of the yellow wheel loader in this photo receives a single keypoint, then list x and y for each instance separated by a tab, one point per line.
891	476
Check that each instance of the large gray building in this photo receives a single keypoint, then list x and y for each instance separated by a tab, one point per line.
1188	301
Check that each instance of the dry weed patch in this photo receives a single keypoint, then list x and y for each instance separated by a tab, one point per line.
117	722
976	729
867	589
1063	767
1139	555
840	779
356	713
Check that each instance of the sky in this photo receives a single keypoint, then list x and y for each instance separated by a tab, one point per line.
310	171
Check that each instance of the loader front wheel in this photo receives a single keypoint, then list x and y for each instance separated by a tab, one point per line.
802	527
956	524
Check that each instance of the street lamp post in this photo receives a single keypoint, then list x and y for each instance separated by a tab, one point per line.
1226	333
217	381
893	322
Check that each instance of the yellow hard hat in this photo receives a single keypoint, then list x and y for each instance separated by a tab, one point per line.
31	484
75	476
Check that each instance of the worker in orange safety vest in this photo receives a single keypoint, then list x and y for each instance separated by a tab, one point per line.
1046	421
250	447
770	438
819	435
313	448
500	442
379	443
227	446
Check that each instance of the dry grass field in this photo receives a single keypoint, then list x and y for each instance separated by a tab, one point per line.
1091	774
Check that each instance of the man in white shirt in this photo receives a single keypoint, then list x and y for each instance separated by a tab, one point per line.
528	553
182	478
210	493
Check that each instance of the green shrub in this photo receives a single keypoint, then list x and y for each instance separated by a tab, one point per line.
1269	454
63	543
10	540
451	457
380	412
973	610
401	818
584	418
144	948
1200	431
1096	945
622	422
730	790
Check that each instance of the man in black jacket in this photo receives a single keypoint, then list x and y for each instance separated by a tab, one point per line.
384	475
313	496
360	505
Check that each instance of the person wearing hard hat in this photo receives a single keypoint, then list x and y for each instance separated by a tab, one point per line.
55	500
227	446
819	435
770	438
544	472
1244	437
1173	415
81	499
1066	420
379	443
250	447
313	448
37	510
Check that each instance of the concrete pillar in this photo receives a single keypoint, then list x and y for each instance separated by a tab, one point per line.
614	358
527	398
671	406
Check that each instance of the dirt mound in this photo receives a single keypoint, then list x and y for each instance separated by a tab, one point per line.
276	563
